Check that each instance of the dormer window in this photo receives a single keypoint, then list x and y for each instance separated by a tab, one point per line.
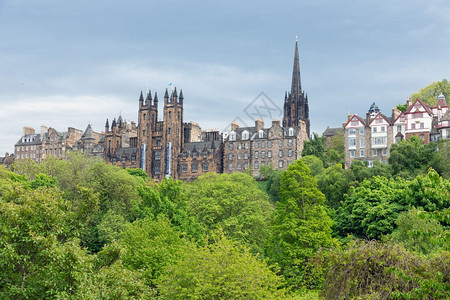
261	134
291	131
232	136
245	135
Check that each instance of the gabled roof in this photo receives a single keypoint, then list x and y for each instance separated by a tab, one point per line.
355	117
382	116
402	114
424	105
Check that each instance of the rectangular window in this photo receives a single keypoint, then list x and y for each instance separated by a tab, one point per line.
361	130
280	143
239	156
246	145
269	153
205	167
374	152
246	155
194	168
382	140
239	146
157	169
374	129
230	156
361	142
263	154
256	144
239	166
280	164
184	168
383	128
157	155
269	144
351	131
256	165
290	152
263	144
230	146
399	128
413	126
352	153
385	151
256	154
361	153
280	153
230	167
351	141
422	125
290	142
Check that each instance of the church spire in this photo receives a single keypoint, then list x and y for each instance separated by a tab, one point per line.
296	87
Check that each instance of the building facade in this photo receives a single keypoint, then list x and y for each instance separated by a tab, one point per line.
369	139
170	147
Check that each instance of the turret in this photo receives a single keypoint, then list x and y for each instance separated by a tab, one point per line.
107	126
181	98
175	96
166	97
148	101
141	100
155	102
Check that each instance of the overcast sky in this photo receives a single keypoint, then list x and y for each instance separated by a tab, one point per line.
68	63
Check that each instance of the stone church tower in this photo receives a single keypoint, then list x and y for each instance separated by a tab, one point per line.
296	106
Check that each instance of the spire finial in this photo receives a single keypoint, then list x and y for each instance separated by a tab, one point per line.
296	38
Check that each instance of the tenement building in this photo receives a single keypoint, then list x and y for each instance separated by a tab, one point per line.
369	139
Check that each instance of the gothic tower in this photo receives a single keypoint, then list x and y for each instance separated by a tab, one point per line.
172	132
296	106
147	118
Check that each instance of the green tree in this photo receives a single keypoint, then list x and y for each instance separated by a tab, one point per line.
234	203
409	158
219	270
316	147
418	231
300	224
430	93
314	164
370	210
372	270
150	246
333	183
39	255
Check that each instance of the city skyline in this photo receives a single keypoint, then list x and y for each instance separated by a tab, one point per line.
70	64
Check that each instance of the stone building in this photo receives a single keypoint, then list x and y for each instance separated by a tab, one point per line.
37	146
7	160
120	143
249	148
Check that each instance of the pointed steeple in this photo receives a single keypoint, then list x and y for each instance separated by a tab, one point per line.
181	95
166	96
148	101
107	123
296	87
141	97
156	99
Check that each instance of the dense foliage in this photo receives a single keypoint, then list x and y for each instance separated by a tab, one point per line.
77	228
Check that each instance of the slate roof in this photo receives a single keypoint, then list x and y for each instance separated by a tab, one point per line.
331	131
